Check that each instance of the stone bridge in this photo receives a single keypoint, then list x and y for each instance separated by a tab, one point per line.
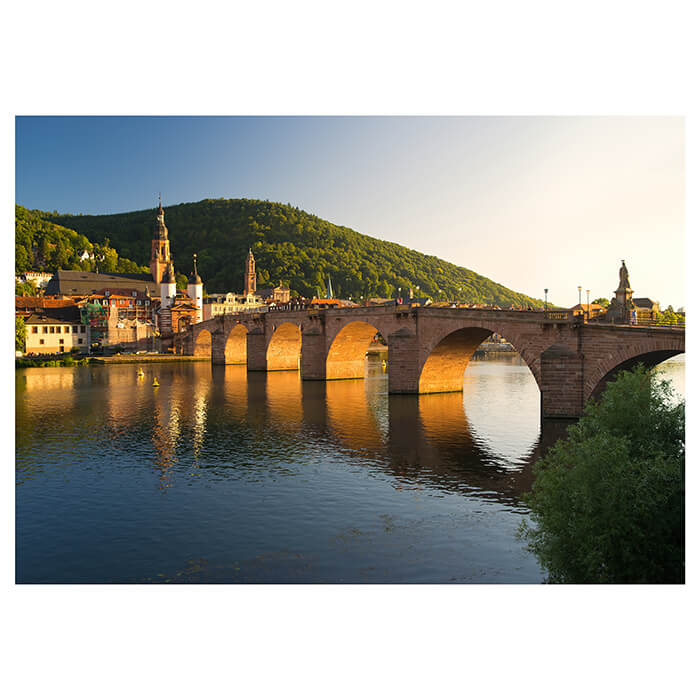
429	348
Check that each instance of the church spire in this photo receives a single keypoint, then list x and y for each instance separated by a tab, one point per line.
160	245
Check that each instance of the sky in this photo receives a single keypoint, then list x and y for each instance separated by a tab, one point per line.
530	202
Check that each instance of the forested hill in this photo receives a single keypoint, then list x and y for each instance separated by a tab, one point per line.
289	245
43	246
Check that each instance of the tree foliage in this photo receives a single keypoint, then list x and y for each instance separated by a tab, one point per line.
670	317
25	289
608	503
20	333
44	246
290	246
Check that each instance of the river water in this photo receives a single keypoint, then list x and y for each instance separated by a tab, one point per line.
222	476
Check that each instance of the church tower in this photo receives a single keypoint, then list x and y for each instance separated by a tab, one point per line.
160	246
249	285
194	288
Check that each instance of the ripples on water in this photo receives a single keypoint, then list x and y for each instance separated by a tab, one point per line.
220	475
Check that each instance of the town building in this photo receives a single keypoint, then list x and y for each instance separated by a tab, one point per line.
647	310
230	303
279	294
25	306
38	279
129	304
588	310
56	330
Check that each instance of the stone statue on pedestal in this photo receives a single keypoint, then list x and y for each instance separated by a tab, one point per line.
620	309
624	277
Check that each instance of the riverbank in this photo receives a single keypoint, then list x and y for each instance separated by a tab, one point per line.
69	361
145	359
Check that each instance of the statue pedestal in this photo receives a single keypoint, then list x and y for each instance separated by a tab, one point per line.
620	309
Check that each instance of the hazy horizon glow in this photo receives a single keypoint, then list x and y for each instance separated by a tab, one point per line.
530	202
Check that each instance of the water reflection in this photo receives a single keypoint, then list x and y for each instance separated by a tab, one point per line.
484	440
350	416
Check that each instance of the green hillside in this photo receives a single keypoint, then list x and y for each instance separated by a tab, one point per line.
289	245
44	246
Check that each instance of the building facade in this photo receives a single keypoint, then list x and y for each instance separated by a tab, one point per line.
56	331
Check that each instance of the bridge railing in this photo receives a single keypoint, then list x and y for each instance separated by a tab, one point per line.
678	323
646	323
560	315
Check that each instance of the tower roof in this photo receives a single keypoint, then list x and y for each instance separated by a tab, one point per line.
169	275
160	230
194	277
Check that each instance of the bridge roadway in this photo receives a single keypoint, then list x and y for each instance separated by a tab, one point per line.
429	348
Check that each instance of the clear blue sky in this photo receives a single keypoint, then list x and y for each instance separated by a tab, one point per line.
529	202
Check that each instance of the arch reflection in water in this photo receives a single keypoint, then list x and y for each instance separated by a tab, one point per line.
283	399
502	404
350	416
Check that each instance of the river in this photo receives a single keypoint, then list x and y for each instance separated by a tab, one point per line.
221	476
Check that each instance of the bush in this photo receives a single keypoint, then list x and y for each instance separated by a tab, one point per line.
608	503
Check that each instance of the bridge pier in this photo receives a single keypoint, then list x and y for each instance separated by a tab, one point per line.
561	383
313	354
403	360
218	347
256	350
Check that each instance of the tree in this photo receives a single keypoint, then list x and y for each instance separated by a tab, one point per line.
20	333
607	505
24	289
602	301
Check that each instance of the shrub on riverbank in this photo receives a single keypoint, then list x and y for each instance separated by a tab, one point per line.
608	503
24	362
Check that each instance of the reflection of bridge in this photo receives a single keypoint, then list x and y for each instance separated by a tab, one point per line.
429	348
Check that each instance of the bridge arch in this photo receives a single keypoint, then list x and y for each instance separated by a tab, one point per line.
202	343
284	347
445	360
625	358
235	349
345	358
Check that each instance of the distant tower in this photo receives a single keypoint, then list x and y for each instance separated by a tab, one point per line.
249	285
160	246
167	288
329	289
194	288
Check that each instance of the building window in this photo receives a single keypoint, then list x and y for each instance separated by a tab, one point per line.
41	341
75	329
82	329
131	303
45	329
60	341
35	329
66	329
148	303
80	341
138	302
52	329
